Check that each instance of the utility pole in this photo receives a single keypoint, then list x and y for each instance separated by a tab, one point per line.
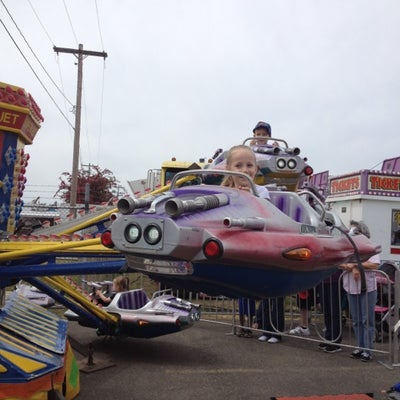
87	189
79	53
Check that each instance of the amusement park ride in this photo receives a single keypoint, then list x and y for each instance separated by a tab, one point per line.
221	240
191	233
35	356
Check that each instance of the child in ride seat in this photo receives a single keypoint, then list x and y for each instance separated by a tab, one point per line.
120	284
261	130
261	133
241	158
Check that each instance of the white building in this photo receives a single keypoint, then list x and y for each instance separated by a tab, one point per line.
374	197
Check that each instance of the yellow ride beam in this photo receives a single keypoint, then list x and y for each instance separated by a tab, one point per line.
167	187
106	214
89	222
47	247
43	246
64	286
15	249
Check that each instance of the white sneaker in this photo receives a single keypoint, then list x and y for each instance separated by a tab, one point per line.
263	338
273	340
299	330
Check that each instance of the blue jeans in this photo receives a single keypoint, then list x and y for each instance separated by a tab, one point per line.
362	311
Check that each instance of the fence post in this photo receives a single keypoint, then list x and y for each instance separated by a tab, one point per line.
396	327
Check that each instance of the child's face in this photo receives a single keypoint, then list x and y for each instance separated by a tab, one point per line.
243	160
260	133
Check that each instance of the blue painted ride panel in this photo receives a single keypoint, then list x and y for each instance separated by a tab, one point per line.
34	323
32	340
22	361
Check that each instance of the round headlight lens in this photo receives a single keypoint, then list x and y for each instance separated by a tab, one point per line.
133	233
292	164
281	163
152	234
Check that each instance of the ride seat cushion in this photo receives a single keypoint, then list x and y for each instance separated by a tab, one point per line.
291	206
132	300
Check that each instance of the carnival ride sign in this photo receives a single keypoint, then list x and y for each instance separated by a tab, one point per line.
19	112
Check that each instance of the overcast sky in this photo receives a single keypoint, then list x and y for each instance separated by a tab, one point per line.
184	77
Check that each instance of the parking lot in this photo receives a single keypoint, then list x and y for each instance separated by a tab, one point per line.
208	362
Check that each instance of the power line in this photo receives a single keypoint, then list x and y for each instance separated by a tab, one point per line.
34	54
57	62
43	186
79	53
98	25
34	72
64	114
86	126
70	22
101	117
40	22
102	87
62	85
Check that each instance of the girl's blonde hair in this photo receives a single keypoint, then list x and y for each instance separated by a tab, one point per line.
228	180
121	283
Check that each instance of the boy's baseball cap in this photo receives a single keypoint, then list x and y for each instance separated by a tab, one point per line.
265	125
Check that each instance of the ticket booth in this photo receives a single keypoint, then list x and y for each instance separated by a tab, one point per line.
374	197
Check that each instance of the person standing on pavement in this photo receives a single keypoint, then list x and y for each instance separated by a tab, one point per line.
270	317
330	295
362	301
247	311
305	301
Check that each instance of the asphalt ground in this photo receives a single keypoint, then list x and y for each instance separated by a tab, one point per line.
208	362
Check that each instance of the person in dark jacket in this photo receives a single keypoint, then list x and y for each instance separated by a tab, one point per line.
270	317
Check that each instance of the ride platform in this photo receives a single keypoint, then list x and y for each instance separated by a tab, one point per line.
36	359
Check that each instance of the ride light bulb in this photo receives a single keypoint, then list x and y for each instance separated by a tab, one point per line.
106	239
212	248
308	170
301	254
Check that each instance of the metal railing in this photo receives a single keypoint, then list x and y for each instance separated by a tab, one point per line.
223	310
385	347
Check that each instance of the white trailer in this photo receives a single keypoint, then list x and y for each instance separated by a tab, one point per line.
374	197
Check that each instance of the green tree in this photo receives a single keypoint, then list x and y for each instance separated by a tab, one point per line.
103	185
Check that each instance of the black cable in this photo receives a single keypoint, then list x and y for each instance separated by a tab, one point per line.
40	81
34	54
357	254
98	25
70	22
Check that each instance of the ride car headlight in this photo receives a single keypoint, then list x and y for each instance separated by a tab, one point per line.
152	234
292	164
133	232
281	163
